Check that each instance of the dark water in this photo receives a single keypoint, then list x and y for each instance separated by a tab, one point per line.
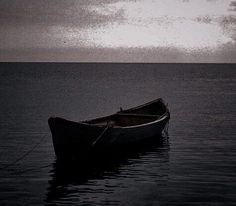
197	166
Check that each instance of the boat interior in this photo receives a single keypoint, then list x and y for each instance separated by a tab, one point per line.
135	116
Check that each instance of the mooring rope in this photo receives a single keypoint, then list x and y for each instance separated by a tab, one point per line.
166	129
31	169
24	155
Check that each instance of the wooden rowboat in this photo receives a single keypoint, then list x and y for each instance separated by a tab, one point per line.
126	127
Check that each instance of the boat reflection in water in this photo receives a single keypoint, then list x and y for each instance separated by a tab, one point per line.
106	179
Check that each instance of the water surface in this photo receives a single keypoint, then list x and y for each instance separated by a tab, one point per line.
195	167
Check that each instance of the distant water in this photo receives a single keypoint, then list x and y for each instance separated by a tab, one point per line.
197	166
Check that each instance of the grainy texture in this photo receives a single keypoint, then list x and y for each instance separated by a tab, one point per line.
197	167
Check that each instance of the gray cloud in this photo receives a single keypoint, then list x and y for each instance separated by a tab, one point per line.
228	24
229	20
54	12
32	24
40	31
233	5
204	19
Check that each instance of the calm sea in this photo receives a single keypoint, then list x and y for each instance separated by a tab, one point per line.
195	166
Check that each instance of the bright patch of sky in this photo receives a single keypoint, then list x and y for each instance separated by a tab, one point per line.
190	25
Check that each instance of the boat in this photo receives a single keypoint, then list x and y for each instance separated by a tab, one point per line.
119	130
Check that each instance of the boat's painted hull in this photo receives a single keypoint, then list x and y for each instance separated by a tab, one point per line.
71	139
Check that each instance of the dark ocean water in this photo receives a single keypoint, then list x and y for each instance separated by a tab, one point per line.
197	166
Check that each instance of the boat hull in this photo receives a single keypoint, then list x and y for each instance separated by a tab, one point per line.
71	139
122	129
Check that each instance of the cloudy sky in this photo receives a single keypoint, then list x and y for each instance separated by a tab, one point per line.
118	30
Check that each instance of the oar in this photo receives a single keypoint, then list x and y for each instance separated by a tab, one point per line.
100	136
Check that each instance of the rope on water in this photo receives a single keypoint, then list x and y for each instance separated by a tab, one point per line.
24	155
31	169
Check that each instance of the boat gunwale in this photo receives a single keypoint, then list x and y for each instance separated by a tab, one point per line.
144	105
159	118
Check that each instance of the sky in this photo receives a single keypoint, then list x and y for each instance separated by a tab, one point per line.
118	31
